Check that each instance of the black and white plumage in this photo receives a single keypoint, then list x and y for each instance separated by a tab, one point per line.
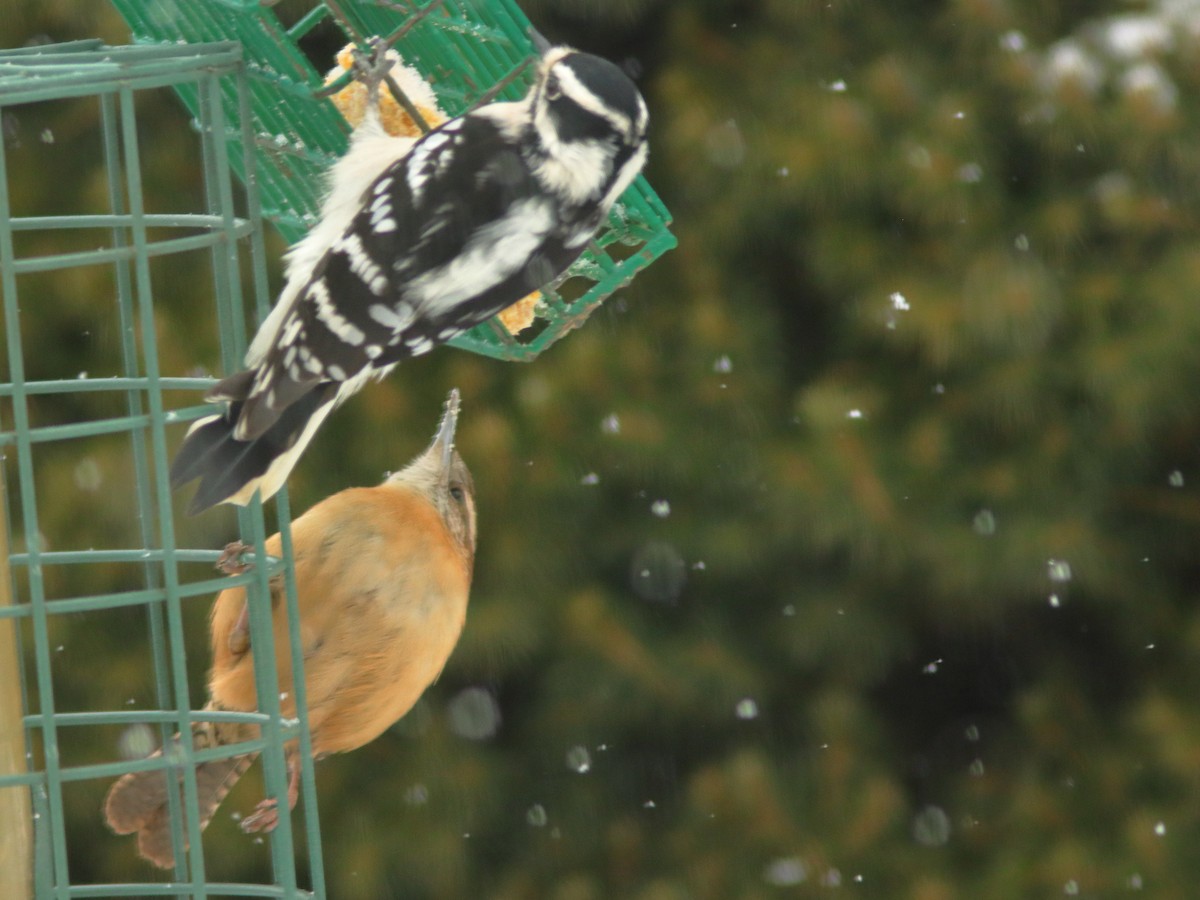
418	241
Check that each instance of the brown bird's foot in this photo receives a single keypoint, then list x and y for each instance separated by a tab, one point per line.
230	561
239	635
266	815
264	818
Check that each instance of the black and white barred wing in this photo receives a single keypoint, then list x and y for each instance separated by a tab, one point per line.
445	238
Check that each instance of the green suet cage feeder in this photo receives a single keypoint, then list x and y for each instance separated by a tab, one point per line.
55	428
262	136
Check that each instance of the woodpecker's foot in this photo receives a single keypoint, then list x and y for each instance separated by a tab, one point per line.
371	68
230	561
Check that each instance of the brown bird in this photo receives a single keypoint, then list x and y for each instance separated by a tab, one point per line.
382	578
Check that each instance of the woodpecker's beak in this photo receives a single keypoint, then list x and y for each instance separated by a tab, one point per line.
540	44
443	440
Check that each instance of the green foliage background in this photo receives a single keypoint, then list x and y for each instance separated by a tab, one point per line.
918	616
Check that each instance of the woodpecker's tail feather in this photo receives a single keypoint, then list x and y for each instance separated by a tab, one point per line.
264	394
138	802
230	470
235	387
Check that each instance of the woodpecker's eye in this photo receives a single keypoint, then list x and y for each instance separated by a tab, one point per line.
553	89
458	494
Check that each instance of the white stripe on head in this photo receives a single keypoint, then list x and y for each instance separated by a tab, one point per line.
551	58
625	176
587	100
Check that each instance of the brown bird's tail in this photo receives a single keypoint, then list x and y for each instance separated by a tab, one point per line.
138	801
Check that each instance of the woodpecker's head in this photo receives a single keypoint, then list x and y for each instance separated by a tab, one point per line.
444	479
591	124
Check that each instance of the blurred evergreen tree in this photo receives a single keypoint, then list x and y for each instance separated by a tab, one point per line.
853	546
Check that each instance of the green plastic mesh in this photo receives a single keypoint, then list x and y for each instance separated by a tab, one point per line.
469	51
53	422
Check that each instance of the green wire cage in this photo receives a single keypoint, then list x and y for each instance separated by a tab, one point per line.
48	419
261	137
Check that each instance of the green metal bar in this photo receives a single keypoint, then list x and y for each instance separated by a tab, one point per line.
308	784
95	51
220	205
155	622
117	219
24	779
232	716
151	763
91	257
16	53
95	602
69	557
167	889
92	83
308	22
308	791
55	827
43	859
84	385
258	594
254	212
266	679
161	763
48	433
118	425
178	657
262	637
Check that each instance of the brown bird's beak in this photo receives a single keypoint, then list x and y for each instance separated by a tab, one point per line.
431	470
443	439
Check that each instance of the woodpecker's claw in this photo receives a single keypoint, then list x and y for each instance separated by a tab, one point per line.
371	68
